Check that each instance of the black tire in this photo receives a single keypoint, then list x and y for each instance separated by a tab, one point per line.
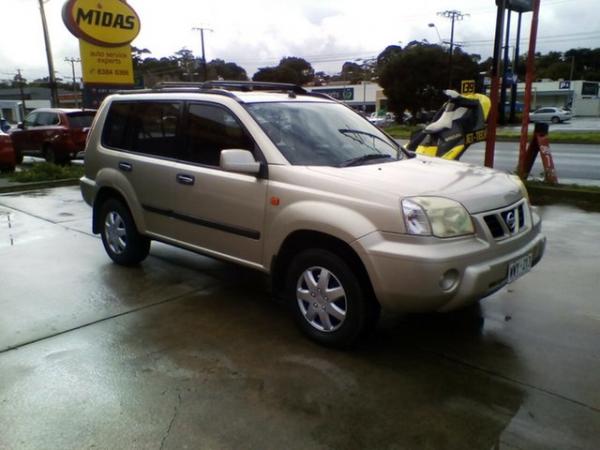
9	169
127	249
361	311
51	156
555	120
18	156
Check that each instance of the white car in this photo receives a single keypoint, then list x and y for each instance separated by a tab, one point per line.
382	120
550	114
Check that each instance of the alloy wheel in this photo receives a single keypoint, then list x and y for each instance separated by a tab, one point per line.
321	299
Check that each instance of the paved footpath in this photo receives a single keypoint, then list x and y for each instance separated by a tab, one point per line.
187	352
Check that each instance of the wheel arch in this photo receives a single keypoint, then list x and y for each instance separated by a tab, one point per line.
297	241
102	196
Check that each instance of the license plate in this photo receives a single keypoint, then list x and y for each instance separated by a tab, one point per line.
519	267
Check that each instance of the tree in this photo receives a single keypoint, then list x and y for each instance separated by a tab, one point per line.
290	70
219	69
415	77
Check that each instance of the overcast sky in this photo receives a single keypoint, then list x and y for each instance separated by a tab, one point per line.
258	33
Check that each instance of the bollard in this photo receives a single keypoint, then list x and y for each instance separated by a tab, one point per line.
540	144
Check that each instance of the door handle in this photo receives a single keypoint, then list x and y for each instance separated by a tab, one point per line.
125	166
182	178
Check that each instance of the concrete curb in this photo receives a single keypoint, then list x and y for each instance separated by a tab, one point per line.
19	187
540	194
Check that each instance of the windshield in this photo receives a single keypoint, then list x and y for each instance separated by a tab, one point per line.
323	134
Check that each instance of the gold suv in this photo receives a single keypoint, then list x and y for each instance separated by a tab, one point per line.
299	186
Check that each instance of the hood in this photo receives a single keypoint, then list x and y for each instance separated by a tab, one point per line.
477	188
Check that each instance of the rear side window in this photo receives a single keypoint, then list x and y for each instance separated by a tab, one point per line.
210	129
143	127
80	119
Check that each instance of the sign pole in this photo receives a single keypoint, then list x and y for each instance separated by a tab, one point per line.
528	82
493	117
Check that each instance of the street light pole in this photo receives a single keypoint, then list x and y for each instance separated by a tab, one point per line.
432	25
51	76
204	68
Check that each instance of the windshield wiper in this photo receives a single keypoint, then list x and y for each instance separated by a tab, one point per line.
347	131
361	159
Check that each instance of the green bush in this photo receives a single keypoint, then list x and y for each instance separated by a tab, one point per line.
47	172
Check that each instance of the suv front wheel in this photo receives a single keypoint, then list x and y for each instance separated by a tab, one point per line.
327	299
120	237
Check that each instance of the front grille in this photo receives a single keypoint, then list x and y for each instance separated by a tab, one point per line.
507	222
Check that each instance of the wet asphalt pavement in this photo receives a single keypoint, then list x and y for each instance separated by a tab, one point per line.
188	352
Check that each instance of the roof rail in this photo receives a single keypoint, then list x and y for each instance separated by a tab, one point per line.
256	86
224	87
233	85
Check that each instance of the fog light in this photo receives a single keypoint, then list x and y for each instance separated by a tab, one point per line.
449	279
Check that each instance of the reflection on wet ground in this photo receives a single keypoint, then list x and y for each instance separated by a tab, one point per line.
188	352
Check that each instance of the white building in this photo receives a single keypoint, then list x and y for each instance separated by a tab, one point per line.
580	95
361	96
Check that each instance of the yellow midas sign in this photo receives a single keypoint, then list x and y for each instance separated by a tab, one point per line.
106	65
104	28
106	23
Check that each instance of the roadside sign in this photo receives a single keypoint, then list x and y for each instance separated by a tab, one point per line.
105	29
467	87
106	65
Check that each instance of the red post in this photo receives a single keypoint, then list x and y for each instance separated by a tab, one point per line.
493	116
528	82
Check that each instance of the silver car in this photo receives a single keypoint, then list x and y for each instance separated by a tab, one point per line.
550	114
302	188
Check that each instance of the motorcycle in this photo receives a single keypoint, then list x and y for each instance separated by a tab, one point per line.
459	123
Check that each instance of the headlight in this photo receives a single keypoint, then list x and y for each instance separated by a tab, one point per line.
437	216
522	187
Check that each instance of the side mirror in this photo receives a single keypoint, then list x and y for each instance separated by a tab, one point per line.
242	161
21	126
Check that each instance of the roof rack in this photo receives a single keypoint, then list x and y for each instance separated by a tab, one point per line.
245	86
224	87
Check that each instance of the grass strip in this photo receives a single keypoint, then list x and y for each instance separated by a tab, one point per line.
47	172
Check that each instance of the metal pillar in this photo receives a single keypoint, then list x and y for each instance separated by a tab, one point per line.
505	71
513	90
493	116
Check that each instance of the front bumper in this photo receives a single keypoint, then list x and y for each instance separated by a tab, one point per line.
406	271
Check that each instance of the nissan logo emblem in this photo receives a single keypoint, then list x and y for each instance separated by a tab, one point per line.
510	221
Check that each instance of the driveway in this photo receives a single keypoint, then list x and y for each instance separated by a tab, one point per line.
188	352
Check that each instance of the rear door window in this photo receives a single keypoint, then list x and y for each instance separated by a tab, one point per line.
148	127
30	120
80	119
45	119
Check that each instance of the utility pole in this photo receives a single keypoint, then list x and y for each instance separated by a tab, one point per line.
19	80
51	77
73	61
204	68
453	15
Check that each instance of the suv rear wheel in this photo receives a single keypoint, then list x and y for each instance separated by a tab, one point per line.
327	299
120	237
